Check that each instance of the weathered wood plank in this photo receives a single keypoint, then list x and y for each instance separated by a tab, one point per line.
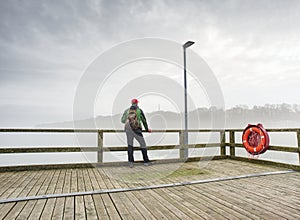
74	179
245	200
140	206
80	180
48	209
97	172
26	211
5	209
194	203
53	182
90	207
110	207
100	207
15	211
11	183
79	208
46	184
25	187
123	211
67	181
69	208
120	199
177	203
271	189
37	210
156	206
58	211
87	181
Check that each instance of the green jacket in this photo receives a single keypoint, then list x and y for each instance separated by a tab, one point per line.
140	115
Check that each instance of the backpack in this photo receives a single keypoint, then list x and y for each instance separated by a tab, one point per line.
132	119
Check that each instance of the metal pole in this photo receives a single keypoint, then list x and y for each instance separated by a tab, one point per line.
186	136
186	141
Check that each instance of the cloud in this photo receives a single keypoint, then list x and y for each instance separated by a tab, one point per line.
46	45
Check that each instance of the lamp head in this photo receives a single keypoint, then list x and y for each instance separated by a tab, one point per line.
188	44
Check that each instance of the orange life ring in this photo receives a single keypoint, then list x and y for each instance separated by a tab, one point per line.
255	139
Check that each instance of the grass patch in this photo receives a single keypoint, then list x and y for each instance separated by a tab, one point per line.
186	171
142	175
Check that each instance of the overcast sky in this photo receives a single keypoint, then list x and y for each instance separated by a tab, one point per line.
252	47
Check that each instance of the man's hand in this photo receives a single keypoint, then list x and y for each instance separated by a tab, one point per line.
149	130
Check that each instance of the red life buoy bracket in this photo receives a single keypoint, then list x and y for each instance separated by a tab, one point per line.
255	139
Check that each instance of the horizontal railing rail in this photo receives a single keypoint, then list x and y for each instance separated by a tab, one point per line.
100	149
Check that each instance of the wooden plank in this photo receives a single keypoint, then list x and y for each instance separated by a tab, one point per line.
271	147
94	182
90	209
298	142
222	143
5	209
99	177
271	189
100	207
15	211
79	208
24	187
155	206
235	202
80	181
58	211
87	181
123	211
26	211
232	141
5	179
192	202
67	181
46	150
275	203
50	130
223	206
53	182
203	205
139	206
123	202
177	203
12	181
38	209
60	182
74	183
100	147
44	187
48	209
110	207
69	208
38	184
106	178
228	193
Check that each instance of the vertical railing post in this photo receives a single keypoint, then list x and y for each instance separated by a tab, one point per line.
100	147
298	139
232	143
222	143
183	149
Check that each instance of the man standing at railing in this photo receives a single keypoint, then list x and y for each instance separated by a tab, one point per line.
133	119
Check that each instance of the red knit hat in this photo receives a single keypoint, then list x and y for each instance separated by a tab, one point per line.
134	101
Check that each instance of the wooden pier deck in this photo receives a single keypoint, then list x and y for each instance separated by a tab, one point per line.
217	189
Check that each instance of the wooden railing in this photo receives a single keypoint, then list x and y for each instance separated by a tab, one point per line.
100	149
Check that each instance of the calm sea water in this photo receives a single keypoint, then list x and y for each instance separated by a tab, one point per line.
26	140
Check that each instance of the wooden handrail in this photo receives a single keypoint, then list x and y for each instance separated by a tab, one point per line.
100	148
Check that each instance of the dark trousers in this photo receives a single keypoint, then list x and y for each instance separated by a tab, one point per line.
137	134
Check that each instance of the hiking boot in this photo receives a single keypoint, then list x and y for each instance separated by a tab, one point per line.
131	164
147	164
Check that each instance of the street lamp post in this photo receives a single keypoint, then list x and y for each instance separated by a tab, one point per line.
185	137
